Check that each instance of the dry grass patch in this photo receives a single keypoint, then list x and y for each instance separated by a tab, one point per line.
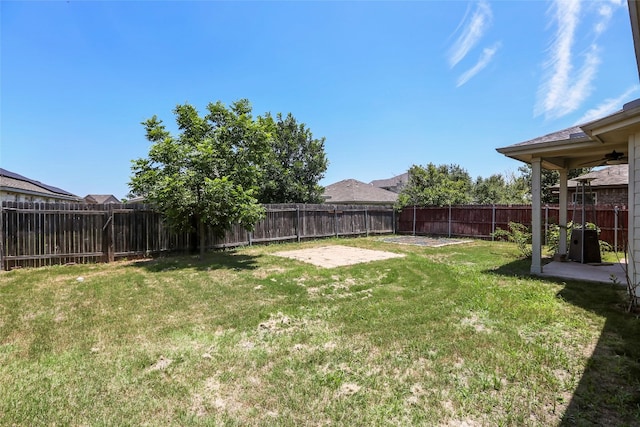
245	338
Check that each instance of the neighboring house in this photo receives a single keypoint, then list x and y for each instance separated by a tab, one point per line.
353	192
18	188
137	199
395	184
609	186
100	199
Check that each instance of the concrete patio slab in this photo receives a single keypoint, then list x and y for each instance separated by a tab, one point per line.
600	273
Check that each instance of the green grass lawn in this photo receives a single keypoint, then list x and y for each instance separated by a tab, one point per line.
455	336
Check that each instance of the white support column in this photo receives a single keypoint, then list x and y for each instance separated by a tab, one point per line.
633	259
536	216
562	214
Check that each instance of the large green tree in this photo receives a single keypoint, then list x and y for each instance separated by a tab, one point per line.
498	189
549	179
294	165
433	185
207	176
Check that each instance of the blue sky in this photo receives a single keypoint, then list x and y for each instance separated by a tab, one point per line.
388	84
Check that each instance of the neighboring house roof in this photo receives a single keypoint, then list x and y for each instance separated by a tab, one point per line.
11	181
136	199
611	176
397	180
354	191
101	199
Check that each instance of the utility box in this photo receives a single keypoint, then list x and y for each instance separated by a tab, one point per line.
587	250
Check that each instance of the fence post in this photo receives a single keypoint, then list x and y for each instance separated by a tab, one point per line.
366	220
414	220
108	236
298	222
393	218
546	225
449	220
1	236
615	228
493	222
335	219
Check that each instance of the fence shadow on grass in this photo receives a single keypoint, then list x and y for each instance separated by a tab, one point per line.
608	393
215	260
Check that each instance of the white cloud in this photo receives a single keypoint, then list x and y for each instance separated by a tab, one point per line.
485	59
564	88
609	106
472	32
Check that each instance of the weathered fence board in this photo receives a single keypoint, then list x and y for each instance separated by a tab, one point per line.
38	234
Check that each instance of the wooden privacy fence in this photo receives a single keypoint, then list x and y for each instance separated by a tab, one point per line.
481	221
38	234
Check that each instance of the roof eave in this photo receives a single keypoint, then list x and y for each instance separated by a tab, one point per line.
628	117
549	152
39	194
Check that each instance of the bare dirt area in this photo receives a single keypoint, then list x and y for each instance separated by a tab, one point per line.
434	242
337	255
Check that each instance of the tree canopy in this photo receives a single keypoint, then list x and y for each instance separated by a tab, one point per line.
442	185
294	165
221	166
433	185
549	179
207	175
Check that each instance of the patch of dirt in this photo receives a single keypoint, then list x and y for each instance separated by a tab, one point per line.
476	323
279	323
433	242
348	389
263	273
161	364
337	255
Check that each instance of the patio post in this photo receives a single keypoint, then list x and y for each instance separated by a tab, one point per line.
634	192
562	212
536	216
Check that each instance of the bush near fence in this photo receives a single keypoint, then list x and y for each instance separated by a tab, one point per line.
38	234
481	221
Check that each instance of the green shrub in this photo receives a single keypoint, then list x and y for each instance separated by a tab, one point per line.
518	234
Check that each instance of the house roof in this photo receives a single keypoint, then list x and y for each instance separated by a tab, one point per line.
354	191
573	133
16	182
391	182
101	198
611	176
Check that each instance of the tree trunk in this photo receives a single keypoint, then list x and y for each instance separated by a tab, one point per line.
203	238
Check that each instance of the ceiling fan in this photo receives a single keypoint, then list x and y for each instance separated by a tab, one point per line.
609	159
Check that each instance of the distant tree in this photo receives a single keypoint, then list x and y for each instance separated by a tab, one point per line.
207	176
433	185
294	165
500	190
549	178
490	190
